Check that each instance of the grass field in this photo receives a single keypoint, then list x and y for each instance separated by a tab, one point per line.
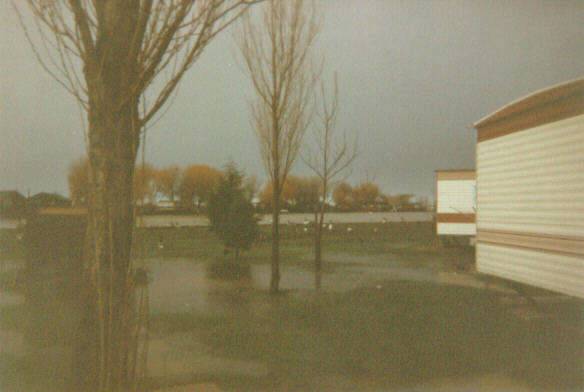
403	334
385	333
410	242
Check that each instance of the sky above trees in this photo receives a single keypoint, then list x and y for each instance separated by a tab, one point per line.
413	77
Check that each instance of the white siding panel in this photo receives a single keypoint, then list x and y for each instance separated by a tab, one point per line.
533	180
557	229
457	229
456	196
557	272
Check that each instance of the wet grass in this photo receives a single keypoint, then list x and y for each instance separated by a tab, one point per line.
414	244
12	317
411	242
402	334
11	247
189	241
10	280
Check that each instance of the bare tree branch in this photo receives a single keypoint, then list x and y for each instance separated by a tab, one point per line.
327	158
110	55
277	51
162	33
331	155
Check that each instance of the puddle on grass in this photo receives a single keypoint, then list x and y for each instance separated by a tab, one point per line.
187	286
192	288
182	285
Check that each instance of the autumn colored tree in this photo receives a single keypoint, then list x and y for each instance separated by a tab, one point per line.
307	193
298	193
144	186
167	181
197	184
391	202
79	187
406	201
78	180
287	194
343	196
365	194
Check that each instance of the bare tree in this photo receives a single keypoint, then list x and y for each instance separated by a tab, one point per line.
121	60
276	51
328	158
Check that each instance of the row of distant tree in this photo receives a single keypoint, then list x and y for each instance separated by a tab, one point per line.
301	194
189	188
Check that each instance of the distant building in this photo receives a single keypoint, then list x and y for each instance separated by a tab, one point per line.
160	201
44	200
166	204
455	202
256	201
530	190
12	204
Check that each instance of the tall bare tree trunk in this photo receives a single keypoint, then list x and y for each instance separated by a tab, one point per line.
318	234
114	133
275	279
327	161
318	220
107	54
110	226
277	53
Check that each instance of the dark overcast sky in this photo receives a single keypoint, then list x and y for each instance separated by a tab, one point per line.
413	75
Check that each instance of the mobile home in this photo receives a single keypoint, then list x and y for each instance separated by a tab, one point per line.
530	190
455	202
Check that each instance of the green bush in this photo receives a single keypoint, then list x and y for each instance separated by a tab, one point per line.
231	214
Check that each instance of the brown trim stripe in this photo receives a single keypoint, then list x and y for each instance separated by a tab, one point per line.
534	99
455	218
555	104
455	175
547	243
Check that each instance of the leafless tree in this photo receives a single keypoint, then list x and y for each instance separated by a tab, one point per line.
121	60
328	156
277	52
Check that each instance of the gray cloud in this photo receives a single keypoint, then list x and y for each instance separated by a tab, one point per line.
414	76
